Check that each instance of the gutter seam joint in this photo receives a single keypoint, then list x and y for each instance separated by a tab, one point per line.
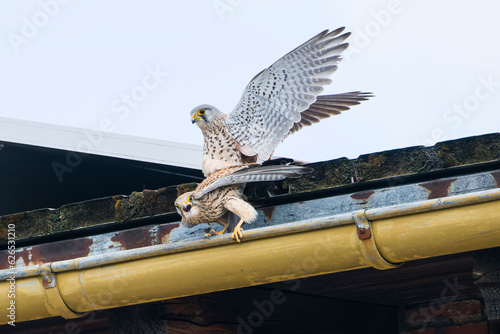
367	244
54	298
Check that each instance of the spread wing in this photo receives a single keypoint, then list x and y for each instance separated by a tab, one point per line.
275	98
255	174
328	105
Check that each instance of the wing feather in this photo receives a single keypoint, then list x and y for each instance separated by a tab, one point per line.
273	101
256	174
328	105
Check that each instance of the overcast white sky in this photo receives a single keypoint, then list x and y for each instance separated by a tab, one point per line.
139	67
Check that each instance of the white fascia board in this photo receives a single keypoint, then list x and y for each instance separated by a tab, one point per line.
100	143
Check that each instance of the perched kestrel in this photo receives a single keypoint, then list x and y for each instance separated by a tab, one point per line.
277	102
222	192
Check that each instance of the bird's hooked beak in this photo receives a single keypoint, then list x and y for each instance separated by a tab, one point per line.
195	118
186	207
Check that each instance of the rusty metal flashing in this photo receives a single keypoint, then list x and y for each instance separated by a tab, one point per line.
167	232
171	235
268	232
332	178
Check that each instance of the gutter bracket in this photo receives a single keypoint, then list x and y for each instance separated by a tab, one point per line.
48	277
54	297
367	243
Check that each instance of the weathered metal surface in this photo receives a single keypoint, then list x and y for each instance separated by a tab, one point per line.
367	244
394	165
163	233
83	247
49	252
438	188
48	277
364	233
313	210
496	176
53	296
396	195
362	196
193	267
268	212
432	234
136	238
180	242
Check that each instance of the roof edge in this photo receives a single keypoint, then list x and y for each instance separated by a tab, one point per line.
100	142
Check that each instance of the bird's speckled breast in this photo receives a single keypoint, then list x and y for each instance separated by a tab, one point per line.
212	204
219	146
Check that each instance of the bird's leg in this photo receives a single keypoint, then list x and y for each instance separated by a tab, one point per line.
214	232
237	235
244	211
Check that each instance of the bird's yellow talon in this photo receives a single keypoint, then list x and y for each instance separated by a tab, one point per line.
214	232
237	235
211	233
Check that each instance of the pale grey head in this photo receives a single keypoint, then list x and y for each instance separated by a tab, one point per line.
204	114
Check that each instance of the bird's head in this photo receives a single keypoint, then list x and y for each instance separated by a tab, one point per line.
186	206
205	114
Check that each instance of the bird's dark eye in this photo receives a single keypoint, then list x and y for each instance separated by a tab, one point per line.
201	112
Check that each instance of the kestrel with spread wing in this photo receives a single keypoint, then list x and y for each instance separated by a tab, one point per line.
222	192
277	102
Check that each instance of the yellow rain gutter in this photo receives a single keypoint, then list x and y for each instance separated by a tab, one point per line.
382	238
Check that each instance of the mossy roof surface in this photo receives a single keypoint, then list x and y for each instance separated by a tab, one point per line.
338	173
